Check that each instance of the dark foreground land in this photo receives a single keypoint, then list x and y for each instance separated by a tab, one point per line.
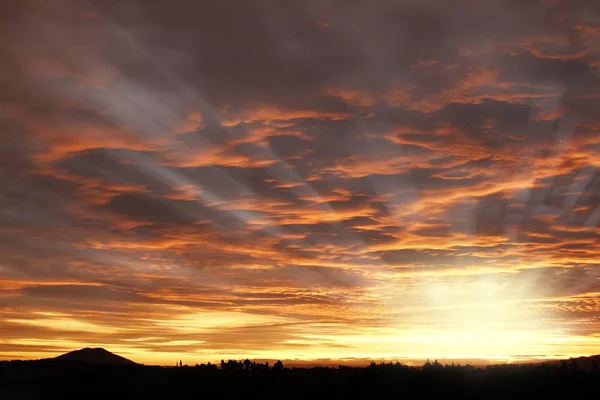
72	380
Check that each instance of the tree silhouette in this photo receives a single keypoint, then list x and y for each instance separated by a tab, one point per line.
278	365
574	364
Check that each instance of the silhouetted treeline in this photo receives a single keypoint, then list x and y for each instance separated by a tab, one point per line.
246	365
246	379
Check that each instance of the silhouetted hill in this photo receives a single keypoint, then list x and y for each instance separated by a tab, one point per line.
94	356
586	363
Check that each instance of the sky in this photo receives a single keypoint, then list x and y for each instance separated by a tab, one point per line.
319	181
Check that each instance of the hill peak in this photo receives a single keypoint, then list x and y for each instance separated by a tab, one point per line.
97	355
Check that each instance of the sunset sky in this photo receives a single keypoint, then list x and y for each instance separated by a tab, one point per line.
327	181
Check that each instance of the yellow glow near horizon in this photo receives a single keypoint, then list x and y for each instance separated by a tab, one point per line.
446	346
479	320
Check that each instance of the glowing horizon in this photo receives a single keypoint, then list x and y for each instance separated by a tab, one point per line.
319	181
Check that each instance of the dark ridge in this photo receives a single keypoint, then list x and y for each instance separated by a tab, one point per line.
586	363
245	379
